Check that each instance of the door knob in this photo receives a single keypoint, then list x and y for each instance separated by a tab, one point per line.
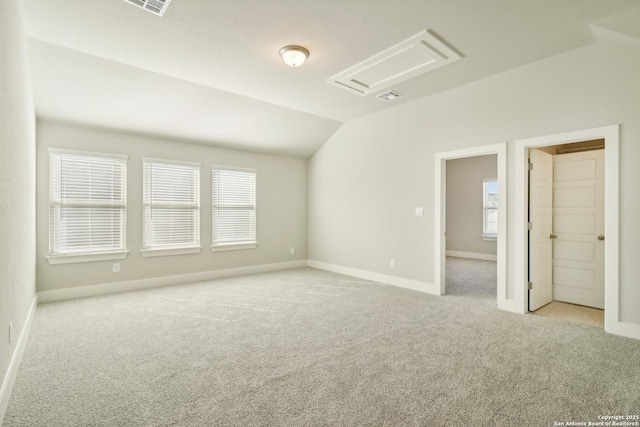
601	237
553	236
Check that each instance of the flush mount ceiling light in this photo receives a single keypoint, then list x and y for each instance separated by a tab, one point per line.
294	56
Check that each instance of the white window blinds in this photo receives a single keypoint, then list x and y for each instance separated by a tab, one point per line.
233	205
171	199
87	202
490	208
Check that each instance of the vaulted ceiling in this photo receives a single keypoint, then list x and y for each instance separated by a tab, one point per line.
209	70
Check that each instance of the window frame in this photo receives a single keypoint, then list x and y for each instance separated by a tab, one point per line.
227	245
166	250
56	257
485	187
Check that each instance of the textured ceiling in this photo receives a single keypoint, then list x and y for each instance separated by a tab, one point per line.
209	70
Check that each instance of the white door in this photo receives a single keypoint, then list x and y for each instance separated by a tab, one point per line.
540	219
578	222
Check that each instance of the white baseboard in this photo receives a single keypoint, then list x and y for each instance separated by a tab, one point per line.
155	282
415	285
472	255
511	305
16	358
625	329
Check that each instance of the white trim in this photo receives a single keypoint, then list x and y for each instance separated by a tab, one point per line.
440	219
625	329
401	282
234	168
236	246
149	253
612	323
53	150
472	255
16	358
74	258
171	162
155	282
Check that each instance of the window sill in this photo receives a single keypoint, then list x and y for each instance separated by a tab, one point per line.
490	237
86	257
236	246
148	253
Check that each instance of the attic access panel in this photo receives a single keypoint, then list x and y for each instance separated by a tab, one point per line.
158	7
417	55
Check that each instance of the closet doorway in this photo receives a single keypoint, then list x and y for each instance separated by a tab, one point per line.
523	270
566	231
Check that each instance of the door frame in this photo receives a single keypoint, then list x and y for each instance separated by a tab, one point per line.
440	214
611	184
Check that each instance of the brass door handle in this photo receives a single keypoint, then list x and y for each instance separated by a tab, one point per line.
553	236
601	237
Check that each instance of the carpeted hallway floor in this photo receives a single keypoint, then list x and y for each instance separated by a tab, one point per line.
306	348
475	277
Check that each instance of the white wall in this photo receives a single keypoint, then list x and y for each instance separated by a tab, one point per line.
17	183
464	203
367	179
281	208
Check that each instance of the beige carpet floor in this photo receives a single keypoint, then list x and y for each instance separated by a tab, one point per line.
310	348
473	277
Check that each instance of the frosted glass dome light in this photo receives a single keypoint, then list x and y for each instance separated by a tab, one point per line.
294	56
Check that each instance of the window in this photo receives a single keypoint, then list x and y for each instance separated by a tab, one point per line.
233	208
87	206
171	208
490	209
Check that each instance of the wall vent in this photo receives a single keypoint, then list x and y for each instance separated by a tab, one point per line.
389	95
157	7
417	55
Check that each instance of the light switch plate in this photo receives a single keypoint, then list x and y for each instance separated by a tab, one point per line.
419	211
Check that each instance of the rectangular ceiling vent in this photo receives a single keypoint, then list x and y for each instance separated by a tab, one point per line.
389	95
157	7
417	55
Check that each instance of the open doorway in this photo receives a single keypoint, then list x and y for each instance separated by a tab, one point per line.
471	218
610	135
441	160
566	231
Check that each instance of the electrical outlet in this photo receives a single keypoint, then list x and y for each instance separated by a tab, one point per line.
10	332
292	251
116	267
392	263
